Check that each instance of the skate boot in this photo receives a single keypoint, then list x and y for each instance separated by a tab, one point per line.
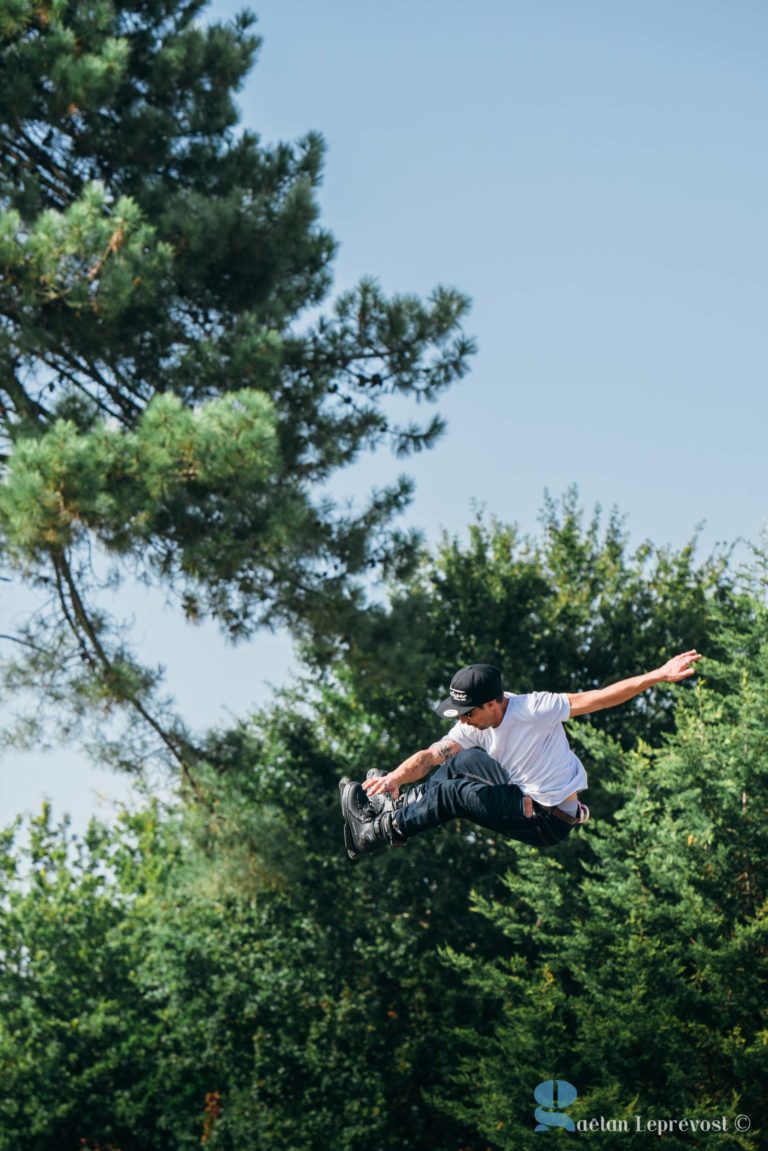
366	829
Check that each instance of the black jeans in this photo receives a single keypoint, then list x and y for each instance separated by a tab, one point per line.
473	786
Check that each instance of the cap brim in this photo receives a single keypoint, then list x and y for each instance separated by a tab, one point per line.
450	709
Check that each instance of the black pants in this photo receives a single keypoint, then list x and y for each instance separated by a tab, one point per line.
473	786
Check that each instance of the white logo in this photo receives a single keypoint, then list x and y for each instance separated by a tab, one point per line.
450	712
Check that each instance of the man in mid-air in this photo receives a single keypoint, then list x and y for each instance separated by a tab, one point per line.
505	764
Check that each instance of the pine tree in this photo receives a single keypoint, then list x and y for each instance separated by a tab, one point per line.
169	406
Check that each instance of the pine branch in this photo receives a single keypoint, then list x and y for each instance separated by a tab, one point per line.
38	161
81	625
23	642
121	394
23	402
73	379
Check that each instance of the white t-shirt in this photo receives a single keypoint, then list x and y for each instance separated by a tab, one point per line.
531	746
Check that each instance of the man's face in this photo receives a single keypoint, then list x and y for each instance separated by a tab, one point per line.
489	715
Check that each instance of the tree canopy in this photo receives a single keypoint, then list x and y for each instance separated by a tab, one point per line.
225	975
637	982
174	404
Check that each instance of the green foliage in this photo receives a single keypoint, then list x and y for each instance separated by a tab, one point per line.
74	1033
165	398
570	609
266	992
125	486
91	257
638	978
156	994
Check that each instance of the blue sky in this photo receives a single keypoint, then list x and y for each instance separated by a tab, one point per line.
595	177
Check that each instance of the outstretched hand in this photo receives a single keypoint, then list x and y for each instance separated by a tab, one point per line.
679	667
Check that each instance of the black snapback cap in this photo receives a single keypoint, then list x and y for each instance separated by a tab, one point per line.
471	687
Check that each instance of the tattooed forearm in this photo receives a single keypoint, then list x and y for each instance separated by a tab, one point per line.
422	762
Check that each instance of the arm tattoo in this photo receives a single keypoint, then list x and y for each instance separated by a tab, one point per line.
445	748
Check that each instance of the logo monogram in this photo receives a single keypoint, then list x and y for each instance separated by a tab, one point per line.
551	1095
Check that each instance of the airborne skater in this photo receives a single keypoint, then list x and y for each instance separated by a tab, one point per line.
505	764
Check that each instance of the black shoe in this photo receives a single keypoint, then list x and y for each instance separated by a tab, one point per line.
366	830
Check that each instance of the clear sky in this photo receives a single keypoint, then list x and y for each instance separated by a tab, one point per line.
595	176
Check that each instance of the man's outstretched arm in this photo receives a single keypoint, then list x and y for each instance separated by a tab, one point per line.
678	668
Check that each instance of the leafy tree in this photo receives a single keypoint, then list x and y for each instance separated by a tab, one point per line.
76	1036
277	816
282	996
172	402
156	994
569	609
638	979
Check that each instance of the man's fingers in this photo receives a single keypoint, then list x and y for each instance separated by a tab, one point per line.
377	785
681	666
684	664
